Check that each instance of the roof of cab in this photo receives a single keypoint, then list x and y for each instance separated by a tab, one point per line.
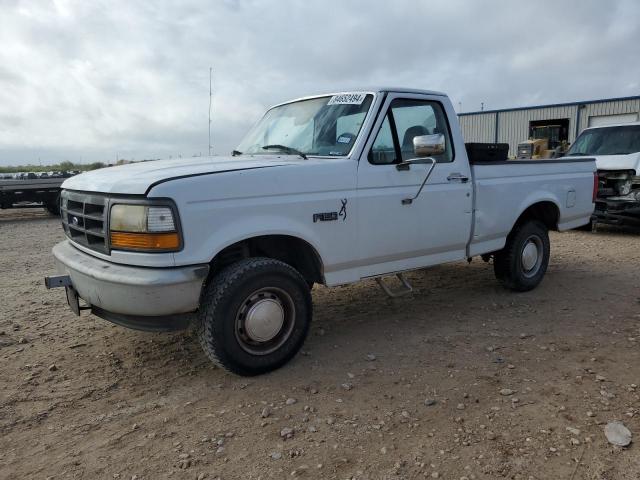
374	89
378	88
408	90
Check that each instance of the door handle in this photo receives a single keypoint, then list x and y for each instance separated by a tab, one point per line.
458	177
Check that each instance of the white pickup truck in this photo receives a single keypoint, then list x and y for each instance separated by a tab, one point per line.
328	189
616	149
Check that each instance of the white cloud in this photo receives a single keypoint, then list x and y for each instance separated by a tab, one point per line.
92	79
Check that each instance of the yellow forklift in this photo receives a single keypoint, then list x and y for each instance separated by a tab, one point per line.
546	140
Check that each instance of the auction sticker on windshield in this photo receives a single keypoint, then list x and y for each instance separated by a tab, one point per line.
353	98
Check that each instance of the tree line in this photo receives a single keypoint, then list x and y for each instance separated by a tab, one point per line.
58	167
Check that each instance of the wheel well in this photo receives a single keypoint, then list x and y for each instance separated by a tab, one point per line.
290	250
546	212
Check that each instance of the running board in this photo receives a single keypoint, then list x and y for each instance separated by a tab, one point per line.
406	288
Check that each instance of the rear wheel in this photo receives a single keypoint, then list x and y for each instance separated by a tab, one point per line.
254	316
523	261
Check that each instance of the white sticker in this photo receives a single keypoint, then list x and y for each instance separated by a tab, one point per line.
344	139
353	98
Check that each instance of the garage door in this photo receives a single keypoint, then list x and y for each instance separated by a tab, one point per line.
601	120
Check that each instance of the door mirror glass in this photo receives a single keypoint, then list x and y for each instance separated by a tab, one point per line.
428	145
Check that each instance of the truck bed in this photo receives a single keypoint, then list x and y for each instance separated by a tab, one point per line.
502	189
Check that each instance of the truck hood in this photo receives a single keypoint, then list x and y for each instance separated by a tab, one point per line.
618	162
138	178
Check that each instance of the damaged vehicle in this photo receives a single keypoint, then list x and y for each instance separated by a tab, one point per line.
616	149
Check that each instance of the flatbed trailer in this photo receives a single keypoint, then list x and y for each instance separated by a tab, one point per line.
42	192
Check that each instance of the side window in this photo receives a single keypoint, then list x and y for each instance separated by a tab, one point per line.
418	117
383	151
406	119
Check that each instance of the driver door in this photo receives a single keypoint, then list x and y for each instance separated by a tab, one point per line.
434	228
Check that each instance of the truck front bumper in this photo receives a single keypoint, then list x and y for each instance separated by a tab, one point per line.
144	298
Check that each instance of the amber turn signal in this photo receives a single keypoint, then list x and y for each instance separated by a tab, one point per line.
145	241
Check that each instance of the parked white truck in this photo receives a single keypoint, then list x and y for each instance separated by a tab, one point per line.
328	189
616	149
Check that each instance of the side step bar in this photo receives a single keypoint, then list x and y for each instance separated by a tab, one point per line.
406	288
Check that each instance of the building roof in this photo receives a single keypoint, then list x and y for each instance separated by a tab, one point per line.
551	105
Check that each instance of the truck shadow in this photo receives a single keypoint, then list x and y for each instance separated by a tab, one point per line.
449	301
355	320
19	215
617	229
355	315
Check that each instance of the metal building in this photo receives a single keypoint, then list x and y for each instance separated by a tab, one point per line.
514	125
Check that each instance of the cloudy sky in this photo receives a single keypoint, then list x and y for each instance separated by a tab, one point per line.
92	80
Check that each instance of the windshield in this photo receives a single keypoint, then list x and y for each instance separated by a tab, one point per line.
621	140
323	126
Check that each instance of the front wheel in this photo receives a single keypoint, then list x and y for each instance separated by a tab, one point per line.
254	316
53	207
523	261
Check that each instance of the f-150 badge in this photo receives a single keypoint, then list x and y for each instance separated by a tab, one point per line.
330	216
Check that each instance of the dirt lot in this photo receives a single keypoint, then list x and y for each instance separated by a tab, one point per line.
392	389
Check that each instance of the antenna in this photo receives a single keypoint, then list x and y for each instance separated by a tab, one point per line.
210	70
482	106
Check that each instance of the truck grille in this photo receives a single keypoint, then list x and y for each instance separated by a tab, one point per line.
84	219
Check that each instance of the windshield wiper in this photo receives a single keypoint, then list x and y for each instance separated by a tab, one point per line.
577	154
286	149
235	153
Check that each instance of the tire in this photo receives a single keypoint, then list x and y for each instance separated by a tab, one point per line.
519	269
53	207
254	316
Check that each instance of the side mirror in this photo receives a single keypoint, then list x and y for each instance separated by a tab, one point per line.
429	145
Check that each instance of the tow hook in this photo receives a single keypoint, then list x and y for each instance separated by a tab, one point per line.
57	281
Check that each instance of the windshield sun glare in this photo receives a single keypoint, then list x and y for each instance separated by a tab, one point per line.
322	126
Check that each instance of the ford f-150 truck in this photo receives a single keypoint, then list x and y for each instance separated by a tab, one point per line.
328	189
616	149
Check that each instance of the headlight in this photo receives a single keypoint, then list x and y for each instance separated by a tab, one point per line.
143	228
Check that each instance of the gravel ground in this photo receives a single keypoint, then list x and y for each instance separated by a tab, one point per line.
461	380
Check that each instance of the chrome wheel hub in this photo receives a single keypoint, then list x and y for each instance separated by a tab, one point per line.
531	257
264	320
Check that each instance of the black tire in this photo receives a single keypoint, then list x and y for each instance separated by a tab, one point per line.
53	207
510	264
250	291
